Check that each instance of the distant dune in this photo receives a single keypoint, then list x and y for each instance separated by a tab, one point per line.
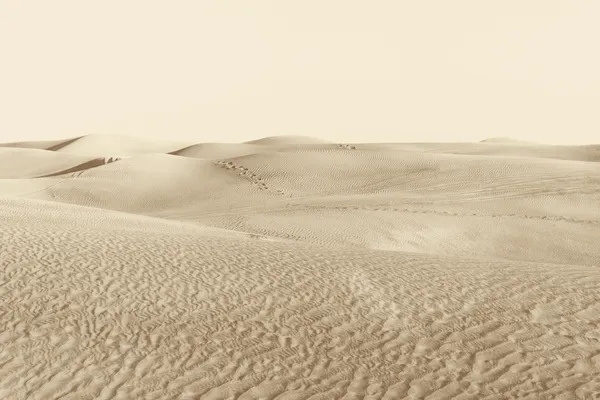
218	150
103	145
40	145
287	140
505	140
588	153
294	268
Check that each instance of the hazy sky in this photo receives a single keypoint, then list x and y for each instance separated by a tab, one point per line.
347	70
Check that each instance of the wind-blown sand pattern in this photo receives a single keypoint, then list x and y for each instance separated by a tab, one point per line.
291	268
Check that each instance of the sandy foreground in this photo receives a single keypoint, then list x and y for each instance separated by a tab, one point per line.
292	268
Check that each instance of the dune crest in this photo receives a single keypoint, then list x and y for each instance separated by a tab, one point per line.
287	140
505	140
217	150
102	145
40	145
117	145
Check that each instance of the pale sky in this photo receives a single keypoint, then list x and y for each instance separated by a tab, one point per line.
343	70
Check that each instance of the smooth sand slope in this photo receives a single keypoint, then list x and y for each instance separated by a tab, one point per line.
293	268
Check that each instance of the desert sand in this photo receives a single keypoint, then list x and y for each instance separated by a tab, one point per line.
291	268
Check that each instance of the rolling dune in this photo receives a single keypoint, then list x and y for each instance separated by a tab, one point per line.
218	150
103	145
288	140
291	268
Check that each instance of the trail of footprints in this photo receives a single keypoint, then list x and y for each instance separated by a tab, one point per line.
250	176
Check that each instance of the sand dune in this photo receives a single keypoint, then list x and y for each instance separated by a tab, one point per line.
506	140
293	268
33	163
105	146
588	153
287	140
218	150
40	145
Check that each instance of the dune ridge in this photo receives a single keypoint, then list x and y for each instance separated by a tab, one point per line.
287	140
506	140
294	268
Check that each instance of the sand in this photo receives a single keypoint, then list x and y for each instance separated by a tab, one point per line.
292	268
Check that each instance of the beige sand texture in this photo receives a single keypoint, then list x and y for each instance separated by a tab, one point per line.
292	268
